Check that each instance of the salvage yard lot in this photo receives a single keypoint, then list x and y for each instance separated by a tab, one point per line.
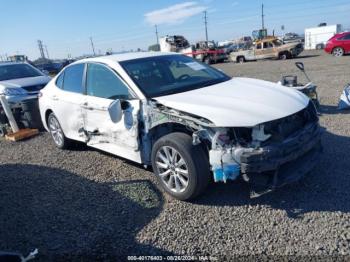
83	202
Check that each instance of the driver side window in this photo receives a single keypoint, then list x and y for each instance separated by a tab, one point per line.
102	82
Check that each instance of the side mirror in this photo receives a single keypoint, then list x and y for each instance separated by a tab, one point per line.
300	65
115	111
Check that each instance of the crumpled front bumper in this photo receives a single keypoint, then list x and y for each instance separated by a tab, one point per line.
275	165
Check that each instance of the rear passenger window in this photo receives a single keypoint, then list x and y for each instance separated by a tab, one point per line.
347	37
59	81
73	79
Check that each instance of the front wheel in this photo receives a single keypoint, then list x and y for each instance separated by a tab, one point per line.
182	168
57	133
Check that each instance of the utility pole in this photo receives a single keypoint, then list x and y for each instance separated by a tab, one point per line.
41	49
262	17
206	27
92	45
157	35
47	53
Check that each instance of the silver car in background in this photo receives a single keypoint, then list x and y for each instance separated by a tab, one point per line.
20	83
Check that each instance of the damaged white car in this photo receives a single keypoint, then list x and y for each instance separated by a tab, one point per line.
188	120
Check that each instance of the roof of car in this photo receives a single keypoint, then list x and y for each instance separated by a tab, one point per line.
344	33
126	56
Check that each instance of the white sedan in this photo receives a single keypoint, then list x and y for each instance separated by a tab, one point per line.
188	120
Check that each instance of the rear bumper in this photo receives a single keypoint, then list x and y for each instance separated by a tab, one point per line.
273	166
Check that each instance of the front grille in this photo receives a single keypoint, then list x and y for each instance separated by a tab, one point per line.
34	88
282	128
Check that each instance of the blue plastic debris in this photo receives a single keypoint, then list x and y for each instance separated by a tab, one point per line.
226	172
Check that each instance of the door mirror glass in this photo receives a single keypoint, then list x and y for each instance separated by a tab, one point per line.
115	111
300	65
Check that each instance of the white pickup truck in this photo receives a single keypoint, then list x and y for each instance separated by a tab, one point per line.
187	120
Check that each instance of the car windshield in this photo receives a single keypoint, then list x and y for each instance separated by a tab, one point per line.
171	74
15	71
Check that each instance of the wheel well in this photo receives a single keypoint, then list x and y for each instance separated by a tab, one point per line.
337	47
149	139
47	113
284	53
238	57
161	130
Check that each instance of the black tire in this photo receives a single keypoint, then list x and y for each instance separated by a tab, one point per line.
241	59
196	161
207	60
319	46
3	131
283	56
64	143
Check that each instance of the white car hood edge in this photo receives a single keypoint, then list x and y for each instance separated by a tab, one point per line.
239	102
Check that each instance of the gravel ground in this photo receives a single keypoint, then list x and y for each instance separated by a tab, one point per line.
85	203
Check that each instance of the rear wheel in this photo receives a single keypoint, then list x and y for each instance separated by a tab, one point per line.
283	56
181	167
319	46
57	133
338	51
207	60
241	59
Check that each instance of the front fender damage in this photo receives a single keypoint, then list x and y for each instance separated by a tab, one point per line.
267	156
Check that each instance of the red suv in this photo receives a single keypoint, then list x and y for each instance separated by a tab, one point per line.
339	44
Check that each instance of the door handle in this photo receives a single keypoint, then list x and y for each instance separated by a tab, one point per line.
54	97
86	106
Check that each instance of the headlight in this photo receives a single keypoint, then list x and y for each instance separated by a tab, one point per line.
14	91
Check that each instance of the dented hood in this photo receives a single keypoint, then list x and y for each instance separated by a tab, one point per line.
239	102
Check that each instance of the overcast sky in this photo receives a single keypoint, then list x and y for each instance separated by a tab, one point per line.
65	26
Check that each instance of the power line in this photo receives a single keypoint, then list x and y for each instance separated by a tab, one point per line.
206	27
92	45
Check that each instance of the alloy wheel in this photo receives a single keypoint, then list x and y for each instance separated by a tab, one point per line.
172	169
338	51
56	131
